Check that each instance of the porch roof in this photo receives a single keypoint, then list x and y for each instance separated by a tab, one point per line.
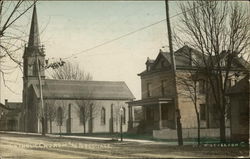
150	101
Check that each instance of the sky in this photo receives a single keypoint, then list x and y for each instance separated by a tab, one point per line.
68	28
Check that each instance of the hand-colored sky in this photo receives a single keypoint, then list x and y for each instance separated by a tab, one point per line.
69	27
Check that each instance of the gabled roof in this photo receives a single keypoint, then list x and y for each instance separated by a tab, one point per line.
92	90
189	58
3	106
11	105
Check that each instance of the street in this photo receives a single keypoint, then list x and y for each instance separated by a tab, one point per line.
38	147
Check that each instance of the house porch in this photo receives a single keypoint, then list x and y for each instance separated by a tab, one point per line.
157	114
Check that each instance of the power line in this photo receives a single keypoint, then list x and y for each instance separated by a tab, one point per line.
127	34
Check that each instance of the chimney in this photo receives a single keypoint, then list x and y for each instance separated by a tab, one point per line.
6	102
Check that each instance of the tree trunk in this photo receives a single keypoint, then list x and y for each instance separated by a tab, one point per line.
199	129
222	129
84	128
50	126
60	127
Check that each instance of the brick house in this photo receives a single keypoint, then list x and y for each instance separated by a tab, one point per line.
158	91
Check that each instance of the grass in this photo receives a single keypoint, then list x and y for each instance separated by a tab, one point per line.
142	137
192	141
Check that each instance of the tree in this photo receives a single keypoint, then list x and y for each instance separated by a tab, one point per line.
219	30
50	112
188	83
70	71
87	112
11	33
61	114
86	107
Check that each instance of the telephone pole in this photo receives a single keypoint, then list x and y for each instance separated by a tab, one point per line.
177	112
54	65
41	94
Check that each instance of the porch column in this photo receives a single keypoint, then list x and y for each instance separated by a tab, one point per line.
130	118
160	117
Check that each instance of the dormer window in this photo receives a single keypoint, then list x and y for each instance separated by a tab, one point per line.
148	68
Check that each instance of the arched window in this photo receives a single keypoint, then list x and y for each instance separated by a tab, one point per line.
59	116
123	115
82	115
103	116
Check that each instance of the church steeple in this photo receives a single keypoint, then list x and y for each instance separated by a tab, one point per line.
34	39
34	50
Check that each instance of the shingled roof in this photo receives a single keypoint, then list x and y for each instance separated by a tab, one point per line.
92	90
189	58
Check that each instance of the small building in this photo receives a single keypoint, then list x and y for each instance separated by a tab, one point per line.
10	114
239	102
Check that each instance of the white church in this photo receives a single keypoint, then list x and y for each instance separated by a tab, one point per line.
69	106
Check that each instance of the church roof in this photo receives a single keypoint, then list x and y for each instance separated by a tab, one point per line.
92	90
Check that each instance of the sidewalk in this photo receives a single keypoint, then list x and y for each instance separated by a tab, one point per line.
93	138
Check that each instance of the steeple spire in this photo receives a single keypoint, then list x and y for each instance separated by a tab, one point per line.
34	39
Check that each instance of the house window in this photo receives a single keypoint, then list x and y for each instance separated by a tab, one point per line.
59	116
148	68
234	81
202	86
228	84
123	115
149	89
163	87
103	116
202	112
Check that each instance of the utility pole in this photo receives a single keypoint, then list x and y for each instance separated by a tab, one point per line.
53	66
41	94
177	112
121	112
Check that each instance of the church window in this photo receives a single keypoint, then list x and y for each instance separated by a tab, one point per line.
103	116
82	115
59	116
162	64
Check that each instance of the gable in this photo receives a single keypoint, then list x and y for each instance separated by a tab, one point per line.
162	61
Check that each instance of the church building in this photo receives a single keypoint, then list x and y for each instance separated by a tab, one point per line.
69	106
